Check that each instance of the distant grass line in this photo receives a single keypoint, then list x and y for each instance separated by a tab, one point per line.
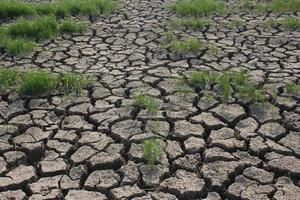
20	37
13	8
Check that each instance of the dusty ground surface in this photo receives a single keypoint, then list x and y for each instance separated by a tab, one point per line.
89	147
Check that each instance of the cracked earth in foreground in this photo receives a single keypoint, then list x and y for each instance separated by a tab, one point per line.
90	147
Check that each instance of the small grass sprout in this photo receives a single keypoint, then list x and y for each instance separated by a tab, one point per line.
145	101
293	88
223	82
151	151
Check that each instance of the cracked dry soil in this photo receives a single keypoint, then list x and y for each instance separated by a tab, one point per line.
89	147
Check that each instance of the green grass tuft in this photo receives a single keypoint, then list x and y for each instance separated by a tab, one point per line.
284	5
69	26
223	82
37	83
191	44
145	101
74	83
12	8
293	88
8	78
195	23
19	38
197	8
37	29
151	151
59	8
291	23
19	46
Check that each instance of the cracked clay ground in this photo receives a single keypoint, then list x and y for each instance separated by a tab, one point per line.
90	147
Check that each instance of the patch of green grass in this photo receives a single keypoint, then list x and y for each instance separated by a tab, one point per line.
200	78
283	5
271	23
151	151
239	78
236	23
228	83
58	8
19	38
293	88
74	83
12	8
69	26
195	23
223	82
197	8
251	92
37	83
37	29
19	46
191	44
8	78
145	101
247	4
291	23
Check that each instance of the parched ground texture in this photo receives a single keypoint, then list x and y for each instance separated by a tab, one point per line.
90	147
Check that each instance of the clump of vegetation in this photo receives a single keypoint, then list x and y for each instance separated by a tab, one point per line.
201	78
195	23
228	83
145	101
223	82
8	78
74	83
11	8
19	38
197	8
37	29
291	23
18	46
293	88
151	151
283	5
37	83
59	8
271	23
69	26
191	44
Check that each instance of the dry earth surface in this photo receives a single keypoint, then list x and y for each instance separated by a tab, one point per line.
90	147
